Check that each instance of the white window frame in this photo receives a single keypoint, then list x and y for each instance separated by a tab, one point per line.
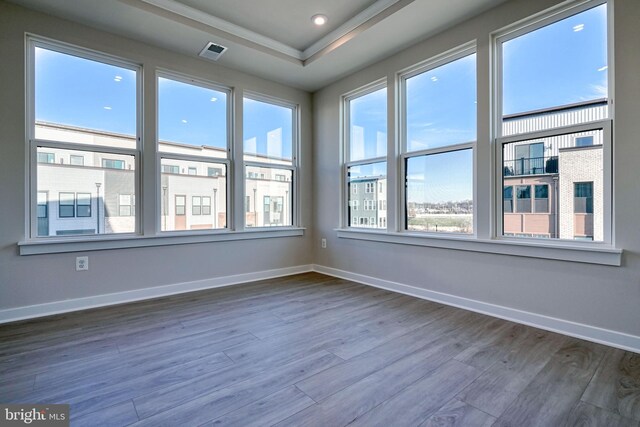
294	209
33	41
346	152
405	155
227	161
532	24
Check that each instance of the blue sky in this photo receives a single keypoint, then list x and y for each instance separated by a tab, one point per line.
93	95
191	114
562	63
78	92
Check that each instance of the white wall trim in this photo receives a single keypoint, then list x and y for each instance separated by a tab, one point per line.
65	306
578	330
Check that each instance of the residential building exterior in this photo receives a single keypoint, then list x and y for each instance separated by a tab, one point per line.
81	193
553	187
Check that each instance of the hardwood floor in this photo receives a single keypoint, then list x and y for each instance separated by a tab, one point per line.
311	350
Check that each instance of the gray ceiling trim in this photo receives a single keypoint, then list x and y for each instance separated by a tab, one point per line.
178	12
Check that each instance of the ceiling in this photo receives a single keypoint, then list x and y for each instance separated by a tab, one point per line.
274	39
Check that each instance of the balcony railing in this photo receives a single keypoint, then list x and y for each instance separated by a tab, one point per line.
531	166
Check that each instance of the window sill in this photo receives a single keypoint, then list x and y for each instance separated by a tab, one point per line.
591	254
55	245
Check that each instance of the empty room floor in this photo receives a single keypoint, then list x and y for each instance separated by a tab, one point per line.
312	350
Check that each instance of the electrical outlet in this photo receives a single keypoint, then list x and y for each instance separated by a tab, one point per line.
82	263
324	243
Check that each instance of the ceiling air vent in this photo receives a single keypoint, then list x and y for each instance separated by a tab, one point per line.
213	51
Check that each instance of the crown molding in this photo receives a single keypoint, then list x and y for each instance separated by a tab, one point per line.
347	31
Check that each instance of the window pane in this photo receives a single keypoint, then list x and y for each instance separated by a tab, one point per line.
268	132
561	207
93	190
179	187
191	119
558	65
441	105
269	199
98	108
83	204
368	126
507	199
440	192
364	182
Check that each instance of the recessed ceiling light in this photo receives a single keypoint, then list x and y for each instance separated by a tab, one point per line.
319	19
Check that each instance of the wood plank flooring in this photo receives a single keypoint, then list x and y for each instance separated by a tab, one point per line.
311	350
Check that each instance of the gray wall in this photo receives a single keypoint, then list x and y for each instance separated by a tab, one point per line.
601	296
35	279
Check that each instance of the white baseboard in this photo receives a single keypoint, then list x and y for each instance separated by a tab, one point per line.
590	333
65	306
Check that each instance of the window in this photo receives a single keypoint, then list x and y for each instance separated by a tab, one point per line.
206	205
214	171
366	147
554	126
170	169
125	205
541	198
584	141
181	205
439	138
76	160
66	205
507	196
196	205
46	157
65	120
270	143
112	164
523	196
193	119
83	205
43	213
583	197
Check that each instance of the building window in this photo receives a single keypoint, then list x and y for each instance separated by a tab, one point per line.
75	160
83	205
541	198
583	197
196	205
270	144
365	135
214	171
523	196
125	205
181	205
584	141
46	157
66	205
206	205
507	197
439	139
548	143
193	119
112	164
